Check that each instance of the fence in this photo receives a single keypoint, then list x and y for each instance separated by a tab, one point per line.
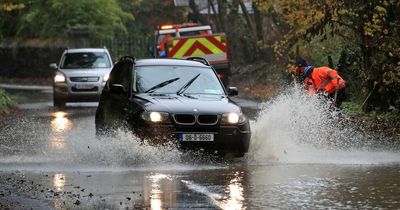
128	45
24	61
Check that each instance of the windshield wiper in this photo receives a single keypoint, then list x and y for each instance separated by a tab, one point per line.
183	89
162	84
189	96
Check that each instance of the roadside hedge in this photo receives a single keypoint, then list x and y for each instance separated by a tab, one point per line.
28	62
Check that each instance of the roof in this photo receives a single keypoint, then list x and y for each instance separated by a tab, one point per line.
204	10
76	50
185	29
168	62
186	2
247	3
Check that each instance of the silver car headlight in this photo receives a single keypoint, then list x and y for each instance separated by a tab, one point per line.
59	78
105	77
233	118
155	116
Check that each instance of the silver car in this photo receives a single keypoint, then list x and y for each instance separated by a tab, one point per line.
81	75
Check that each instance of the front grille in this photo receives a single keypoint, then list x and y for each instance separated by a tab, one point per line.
94	89
84	79
185	119
210	119
190	119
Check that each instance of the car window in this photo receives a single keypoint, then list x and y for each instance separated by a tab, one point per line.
85	60
147	77
120	73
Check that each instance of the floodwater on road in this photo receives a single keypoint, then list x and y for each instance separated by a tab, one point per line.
301	156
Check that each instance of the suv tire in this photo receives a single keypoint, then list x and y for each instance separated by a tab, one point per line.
59	103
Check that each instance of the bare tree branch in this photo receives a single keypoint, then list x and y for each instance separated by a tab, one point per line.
247	17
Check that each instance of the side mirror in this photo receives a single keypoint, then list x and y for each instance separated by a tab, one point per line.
53	66
233	91
117	89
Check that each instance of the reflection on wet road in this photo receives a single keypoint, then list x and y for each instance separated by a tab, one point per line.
59	181
52	156
232	187
60	124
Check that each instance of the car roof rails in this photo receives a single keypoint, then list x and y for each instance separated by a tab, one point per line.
128	57
199	59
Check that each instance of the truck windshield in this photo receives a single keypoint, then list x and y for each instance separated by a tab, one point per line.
164	37
85	60
171	79
193	33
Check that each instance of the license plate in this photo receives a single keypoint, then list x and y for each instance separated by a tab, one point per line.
84	86
196	137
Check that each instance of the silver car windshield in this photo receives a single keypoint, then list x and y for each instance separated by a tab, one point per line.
171	79
84	60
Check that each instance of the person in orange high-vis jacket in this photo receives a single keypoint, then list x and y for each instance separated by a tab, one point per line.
327	81
298	75
322	80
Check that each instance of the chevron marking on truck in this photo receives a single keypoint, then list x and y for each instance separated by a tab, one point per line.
196	46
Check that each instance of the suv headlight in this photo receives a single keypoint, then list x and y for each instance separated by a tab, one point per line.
105	77
59	77
233	118
155	116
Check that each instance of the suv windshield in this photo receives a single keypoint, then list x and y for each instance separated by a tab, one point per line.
172	79
85	60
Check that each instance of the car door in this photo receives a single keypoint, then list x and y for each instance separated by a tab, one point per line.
114	100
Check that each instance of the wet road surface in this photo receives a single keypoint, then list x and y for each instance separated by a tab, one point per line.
50	159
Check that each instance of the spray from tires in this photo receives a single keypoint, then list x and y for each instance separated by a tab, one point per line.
297	128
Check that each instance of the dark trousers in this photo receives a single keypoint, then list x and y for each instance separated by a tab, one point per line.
338	97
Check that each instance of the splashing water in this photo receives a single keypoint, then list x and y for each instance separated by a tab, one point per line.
297	128
37	144
292	128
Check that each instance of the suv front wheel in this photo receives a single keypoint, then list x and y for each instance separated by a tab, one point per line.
59	103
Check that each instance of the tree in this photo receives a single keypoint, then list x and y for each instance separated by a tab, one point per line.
10	14
53	18
150	14
371	29
376	31
10	6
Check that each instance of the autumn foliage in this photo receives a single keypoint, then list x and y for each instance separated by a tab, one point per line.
368	31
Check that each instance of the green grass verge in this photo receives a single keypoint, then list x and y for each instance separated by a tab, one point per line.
354	109
5	102
387	122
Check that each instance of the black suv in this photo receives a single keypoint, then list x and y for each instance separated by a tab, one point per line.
176	100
